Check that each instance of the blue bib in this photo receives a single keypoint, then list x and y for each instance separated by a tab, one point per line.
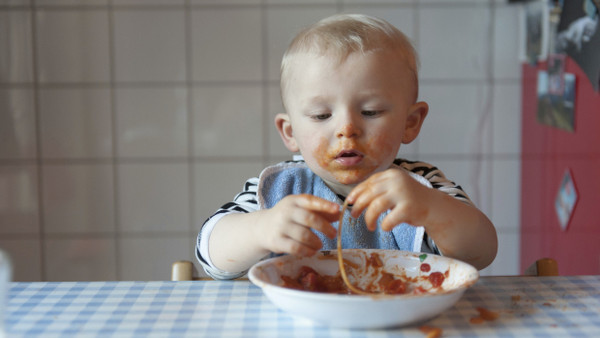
294	178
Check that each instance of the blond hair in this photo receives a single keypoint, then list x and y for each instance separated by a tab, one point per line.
342	34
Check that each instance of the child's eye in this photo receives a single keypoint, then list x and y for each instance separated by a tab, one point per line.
371	112
321	117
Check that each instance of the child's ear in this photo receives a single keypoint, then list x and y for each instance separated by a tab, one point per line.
416	115
284	126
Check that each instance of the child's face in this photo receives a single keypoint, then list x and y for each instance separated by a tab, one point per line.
349	119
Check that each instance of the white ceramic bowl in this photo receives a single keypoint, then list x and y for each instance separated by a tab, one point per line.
365	312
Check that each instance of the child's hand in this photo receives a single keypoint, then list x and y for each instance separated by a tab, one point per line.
286	228
392	190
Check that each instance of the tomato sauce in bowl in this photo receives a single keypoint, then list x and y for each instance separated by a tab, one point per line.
307	279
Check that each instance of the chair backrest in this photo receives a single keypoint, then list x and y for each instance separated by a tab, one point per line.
182	271
543	267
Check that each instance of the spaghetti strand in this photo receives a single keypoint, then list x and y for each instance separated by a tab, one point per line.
341	259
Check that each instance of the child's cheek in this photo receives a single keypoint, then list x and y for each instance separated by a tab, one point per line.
322	153
381	146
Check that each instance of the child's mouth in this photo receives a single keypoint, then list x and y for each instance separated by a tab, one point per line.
349	157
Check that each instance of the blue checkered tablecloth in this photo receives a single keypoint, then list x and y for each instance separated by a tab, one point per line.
526	306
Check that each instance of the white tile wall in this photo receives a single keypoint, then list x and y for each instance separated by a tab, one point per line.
15	2
154	197
240	57
78	198
17	124
19	208
148	2
236	109
506	43
225	2
149	258
145	51
505	184
151	122
25	255
458	115
453	42
403	17
506	110
75	123
283	23
72	45
73	259
274	107
70	2
124	124
15	43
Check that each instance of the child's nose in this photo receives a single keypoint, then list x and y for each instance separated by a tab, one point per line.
348	128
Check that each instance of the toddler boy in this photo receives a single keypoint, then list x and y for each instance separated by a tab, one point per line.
349	86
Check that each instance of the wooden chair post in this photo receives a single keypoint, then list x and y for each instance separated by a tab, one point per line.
543	267
546	267
182	271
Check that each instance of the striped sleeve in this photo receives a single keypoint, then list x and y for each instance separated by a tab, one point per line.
244	202
436	177
438	181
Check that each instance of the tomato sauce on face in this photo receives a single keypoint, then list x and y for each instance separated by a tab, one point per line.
375	153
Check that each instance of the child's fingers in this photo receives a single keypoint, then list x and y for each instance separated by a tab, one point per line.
322	206
323	226
365	199
319	221
318	214
304	237
412	213
370	185
378	206
395	217
293	247
365	193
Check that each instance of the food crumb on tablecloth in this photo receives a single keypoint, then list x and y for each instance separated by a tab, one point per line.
484	315
431	331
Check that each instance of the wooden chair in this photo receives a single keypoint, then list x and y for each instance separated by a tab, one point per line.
543	267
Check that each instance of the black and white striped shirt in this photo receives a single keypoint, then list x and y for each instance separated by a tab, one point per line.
246	202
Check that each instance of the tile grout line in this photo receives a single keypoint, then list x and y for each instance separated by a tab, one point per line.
492	89
58	161
416	42
265	95
37	127
188	16
114	138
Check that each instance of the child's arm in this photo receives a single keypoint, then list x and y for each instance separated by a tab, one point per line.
240	240
459	230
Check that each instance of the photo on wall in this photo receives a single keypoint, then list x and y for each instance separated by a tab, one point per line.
534	32
579	36
565	201
556	99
